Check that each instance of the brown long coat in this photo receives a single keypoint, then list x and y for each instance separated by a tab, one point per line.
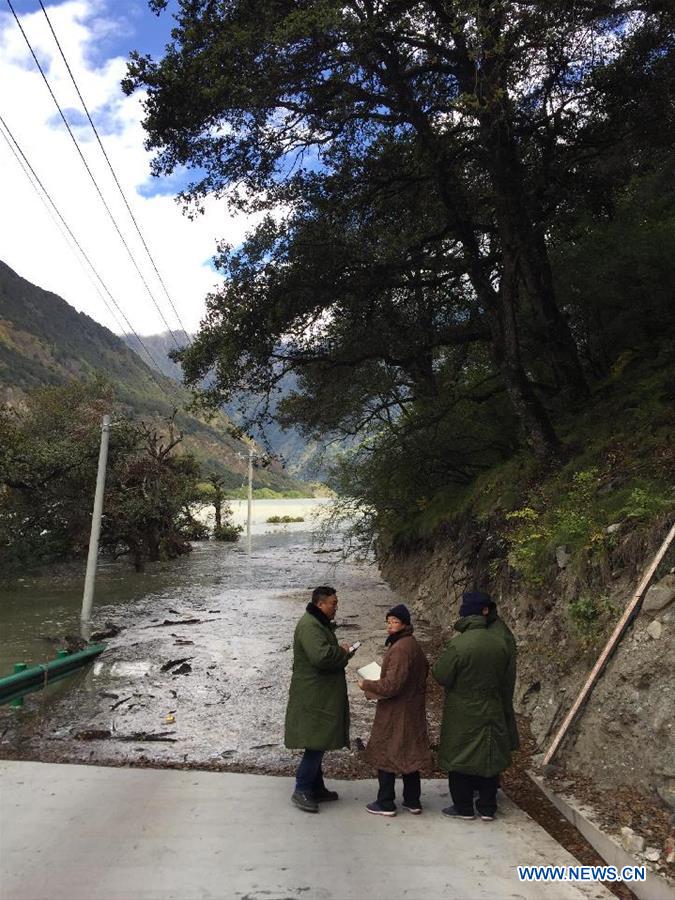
399	742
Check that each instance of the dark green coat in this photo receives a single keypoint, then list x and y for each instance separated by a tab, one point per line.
473	668
500	627
317	715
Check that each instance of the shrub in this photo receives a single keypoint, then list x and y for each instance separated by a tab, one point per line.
229	533
584	612
284	520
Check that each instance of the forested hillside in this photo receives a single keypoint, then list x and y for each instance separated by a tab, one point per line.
44	341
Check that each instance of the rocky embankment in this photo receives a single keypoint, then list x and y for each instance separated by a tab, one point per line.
621	751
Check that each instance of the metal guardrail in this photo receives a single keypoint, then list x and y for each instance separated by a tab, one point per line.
35	678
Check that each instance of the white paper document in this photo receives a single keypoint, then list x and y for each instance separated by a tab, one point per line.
371	672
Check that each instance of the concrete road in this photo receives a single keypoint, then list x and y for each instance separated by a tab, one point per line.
92	833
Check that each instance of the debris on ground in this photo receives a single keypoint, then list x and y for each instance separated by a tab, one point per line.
174	662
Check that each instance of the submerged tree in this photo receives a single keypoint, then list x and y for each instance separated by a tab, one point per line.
48	462
149	499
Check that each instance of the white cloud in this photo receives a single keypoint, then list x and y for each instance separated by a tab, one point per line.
29	240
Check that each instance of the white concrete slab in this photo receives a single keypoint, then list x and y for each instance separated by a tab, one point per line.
71	832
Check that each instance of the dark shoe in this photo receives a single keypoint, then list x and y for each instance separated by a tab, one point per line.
377	810
486	817
413	808
453	813
323	795
305	802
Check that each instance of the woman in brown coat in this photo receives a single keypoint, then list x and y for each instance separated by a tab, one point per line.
398	742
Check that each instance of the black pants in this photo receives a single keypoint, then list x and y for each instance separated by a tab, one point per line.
309	777
462	787
386	795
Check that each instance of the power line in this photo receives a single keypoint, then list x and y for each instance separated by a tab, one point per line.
91	176
65	224
114	175
60	226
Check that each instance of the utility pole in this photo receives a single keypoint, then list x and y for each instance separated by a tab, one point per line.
250	500
92	558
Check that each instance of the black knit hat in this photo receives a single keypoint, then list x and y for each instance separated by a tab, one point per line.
400	612
473	603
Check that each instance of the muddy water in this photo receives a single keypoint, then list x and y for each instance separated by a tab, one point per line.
210	692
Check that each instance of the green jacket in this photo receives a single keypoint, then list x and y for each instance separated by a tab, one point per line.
317	715
473	668
500	627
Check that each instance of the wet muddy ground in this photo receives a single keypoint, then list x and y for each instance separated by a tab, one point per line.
199	673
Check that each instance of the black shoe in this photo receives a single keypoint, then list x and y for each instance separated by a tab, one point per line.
305	802
377	810
454	813
487	817
322	795
414	808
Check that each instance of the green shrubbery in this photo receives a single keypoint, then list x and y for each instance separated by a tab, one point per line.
228	533
284	520
577	517
585	611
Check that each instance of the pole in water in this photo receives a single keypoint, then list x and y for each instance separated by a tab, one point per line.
90	577
250	500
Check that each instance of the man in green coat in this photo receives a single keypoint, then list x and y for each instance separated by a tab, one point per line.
496	623
317	715
475	744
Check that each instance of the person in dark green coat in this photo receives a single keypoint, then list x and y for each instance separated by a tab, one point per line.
475	744
496	623
317	715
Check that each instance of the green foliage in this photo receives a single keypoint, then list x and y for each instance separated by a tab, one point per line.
284	520
644	503
266	493
587	613
573	511
529	541
149	499
228	533
48	463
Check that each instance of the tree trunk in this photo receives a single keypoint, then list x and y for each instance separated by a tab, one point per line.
218	507
519	238
498	306
527	405
519	232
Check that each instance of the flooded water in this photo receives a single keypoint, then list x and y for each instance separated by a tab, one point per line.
36	612
199	674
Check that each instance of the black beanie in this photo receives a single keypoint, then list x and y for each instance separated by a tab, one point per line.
400	612
473	603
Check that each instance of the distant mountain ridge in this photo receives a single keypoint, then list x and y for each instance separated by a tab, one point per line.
44	341
304	458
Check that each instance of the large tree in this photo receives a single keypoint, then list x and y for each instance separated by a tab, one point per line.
494	95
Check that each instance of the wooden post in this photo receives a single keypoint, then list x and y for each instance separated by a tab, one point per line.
609	648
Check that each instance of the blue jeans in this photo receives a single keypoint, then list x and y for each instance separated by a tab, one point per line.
309	777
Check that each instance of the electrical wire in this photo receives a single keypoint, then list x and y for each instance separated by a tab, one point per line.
67	238
113	173
91	176
22	156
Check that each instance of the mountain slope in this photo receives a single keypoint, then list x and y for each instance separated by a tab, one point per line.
304	458
44	341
